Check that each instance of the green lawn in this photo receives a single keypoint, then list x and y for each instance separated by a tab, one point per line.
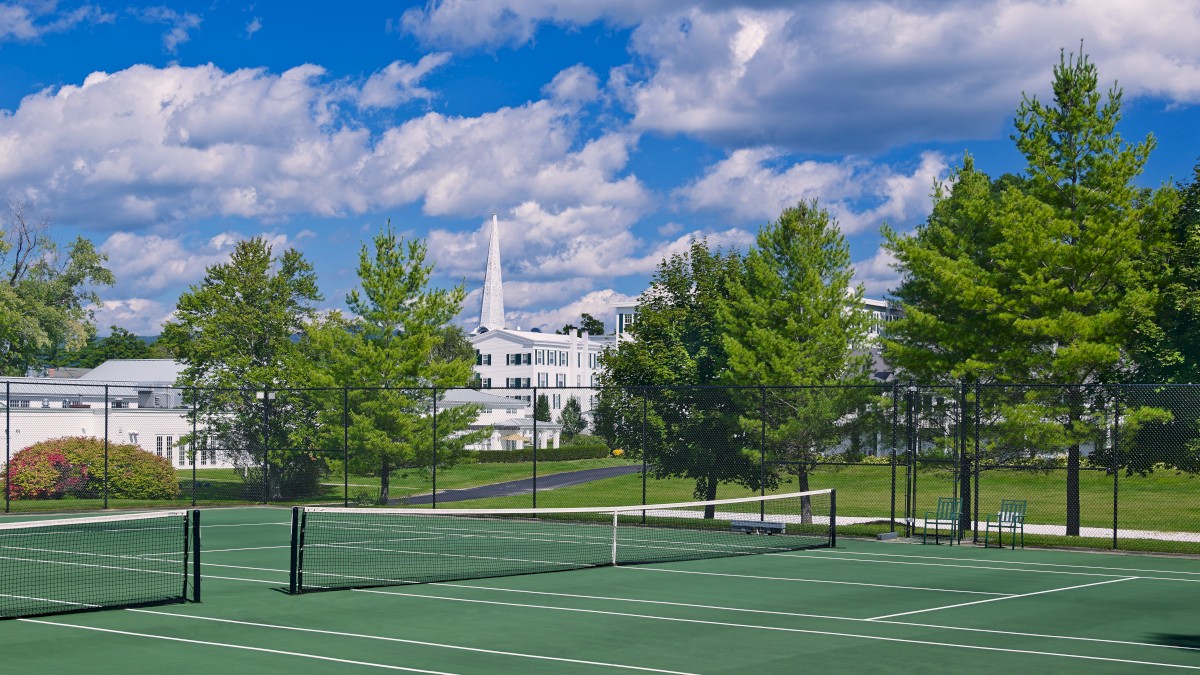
1161	501
1164	501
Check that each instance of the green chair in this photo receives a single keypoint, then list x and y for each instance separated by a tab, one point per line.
1011	517
947	513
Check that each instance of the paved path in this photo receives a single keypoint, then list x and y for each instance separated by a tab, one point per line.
525	486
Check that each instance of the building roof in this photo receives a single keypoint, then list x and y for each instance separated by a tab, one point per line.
473	396
141	371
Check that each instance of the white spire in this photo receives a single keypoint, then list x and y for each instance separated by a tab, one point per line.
491	311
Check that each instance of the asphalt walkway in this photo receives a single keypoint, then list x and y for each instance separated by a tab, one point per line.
525	486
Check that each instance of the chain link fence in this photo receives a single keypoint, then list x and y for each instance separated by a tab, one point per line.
1099	466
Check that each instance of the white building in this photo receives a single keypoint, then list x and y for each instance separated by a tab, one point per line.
510	421
132	401
511	361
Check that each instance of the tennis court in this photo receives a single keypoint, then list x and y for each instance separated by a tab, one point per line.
863	606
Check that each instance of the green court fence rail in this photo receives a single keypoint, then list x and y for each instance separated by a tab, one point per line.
1104	466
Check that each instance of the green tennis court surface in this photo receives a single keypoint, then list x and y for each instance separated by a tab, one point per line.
862	607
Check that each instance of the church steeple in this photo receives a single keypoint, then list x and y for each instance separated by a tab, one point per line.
491	311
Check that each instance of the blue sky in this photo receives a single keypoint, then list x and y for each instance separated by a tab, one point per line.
603	134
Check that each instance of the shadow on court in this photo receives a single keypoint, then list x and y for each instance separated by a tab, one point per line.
1176	640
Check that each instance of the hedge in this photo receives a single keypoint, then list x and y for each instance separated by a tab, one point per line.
74	467
564	453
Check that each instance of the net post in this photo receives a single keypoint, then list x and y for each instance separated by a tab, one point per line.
195	536
616	516
294	576
833	519
195	452
346	446
433	490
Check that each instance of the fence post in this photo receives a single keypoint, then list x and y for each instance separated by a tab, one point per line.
106	446
433	497
762	451
975	463
534	400
345	446
195	452
910	473
645	410
1116	462
7	445
895	429
962	470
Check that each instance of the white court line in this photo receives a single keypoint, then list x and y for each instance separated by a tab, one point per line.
1022	595
814	581
205	527
206	551
790	630
78	564
813	616
764	611
414	642
973	567
53	602
1018	562
233	646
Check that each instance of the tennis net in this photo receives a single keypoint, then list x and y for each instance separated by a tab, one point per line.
335	548
52	566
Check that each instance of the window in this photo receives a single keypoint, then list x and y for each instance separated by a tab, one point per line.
21	403
482	359
560	380
543	379
517	359
486	383
557	401
578	380
118	403
552	358
517	382
562	358
164	446
591	360
539	357
578	359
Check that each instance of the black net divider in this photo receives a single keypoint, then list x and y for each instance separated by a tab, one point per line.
79	564
340	548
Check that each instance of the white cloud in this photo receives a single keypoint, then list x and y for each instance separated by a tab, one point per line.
147	264
397	83
253	27
597	303
876	274
751	185
140	316
180	25
855	77
577	83
27	21
152	145
845	77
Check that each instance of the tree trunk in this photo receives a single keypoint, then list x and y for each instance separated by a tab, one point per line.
805	501
710	493
385	474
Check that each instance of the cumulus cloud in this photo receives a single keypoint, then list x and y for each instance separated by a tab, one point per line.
876	274
397	83
27	21
140	316
863	77
753	185
179	25
577	83
150	145
597	303
147	264
845	77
